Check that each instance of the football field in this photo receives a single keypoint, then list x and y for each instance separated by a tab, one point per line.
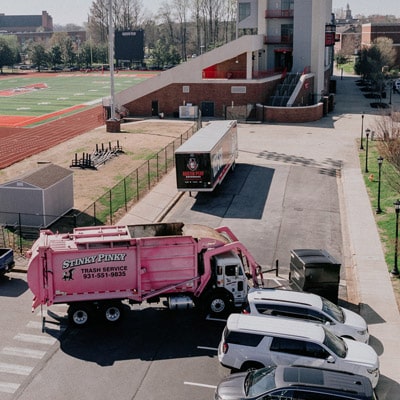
28	99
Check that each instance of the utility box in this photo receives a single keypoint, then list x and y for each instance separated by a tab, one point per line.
315	271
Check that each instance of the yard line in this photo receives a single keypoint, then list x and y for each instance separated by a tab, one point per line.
23	337
200	385
15	369
23	352
8	387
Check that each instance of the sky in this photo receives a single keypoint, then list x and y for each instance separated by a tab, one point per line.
76	11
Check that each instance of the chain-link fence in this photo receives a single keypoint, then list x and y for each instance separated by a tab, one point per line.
106	209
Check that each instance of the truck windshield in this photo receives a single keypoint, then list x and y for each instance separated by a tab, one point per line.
232	270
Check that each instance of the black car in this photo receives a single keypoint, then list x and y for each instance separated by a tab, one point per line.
294	383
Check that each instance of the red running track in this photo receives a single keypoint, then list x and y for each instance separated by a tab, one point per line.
18	143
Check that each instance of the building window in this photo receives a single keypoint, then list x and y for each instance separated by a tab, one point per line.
244	11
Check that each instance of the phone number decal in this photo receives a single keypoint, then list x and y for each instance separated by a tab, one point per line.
104	272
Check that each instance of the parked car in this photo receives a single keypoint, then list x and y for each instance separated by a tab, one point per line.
307	307
293	383
252	342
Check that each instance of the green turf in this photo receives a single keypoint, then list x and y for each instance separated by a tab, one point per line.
63	91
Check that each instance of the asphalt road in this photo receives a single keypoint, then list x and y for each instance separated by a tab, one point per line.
277	199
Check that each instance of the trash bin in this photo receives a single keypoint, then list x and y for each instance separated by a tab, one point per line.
315	271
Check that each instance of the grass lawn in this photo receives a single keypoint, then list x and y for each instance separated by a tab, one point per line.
38	94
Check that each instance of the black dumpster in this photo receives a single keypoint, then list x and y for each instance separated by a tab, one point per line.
315	271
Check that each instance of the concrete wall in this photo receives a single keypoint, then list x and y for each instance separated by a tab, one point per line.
290	114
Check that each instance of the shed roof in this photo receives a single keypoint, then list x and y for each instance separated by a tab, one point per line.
43	177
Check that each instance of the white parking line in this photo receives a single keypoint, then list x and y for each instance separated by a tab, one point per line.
208	348
23	352
200	385
23	337
15	369
8	387
208	318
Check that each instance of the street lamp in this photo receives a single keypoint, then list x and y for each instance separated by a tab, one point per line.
362	130
380	161
395	270
367	132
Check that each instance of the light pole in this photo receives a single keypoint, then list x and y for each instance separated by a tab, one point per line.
380	161
362	130
395	270
367	132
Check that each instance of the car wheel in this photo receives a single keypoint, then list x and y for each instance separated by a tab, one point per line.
251	366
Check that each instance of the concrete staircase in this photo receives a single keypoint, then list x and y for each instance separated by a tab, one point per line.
284	90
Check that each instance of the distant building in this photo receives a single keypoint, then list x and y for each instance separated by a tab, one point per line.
373	31
34	28
26	23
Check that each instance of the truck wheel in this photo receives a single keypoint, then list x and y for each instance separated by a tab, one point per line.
112	312
218	303
79	315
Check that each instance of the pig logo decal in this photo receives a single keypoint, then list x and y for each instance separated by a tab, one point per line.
192	164
67	275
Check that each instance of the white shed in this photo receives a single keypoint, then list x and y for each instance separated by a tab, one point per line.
38	198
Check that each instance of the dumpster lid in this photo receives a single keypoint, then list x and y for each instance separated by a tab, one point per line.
314	256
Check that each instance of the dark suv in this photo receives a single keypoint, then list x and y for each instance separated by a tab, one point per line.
294	383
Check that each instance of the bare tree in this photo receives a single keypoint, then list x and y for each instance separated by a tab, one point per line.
387	128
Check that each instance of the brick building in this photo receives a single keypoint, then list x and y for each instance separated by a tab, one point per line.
282	58
26	23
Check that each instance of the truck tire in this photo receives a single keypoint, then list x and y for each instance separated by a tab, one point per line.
112	312
218	303
79	314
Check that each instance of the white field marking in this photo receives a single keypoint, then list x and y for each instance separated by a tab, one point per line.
23	352
23	337
15	369
8	387
200	385
207	348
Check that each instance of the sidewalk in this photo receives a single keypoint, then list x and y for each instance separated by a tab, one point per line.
375	291
373	285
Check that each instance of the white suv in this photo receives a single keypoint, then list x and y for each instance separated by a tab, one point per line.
252	342
307	307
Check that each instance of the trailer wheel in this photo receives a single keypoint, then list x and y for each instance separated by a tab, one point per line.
112	312
218	303
79	315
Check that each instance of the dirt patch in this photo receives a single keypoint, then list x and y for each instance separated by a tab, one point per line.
138	140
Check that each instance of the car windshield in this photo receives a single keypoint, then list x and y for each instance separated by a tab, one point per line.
333	310
335	344
258	381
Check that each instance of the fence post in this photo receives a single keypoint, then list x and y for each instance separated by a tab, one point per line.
157	161
110	202
166	159
94	214
125	196
137	184
148	174
20	233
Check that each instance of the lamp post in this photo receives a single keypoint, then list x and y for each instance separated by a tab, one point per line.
362	130
380	161
367	132
395	270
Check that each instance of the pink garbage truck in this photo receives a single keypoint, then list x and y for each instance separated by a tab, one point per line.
94	268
